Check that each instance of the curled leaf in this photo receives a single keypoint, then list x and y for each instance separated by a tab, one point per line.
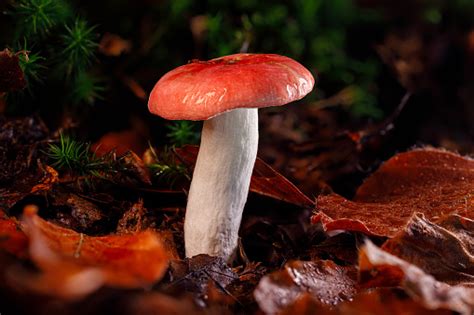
12	238
12	77
445	251
379	268
433	182
73	264
49	179
199	273
326	282
374	302
265	180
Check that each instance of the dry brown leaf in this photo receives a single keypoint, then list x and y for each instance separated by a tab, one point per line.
379	268
11	75
50	177
326	282
265	180
198	273
132	219
430	181
121	142
12	238
375	302
155	303
85	212
446	251
341	247
73	265
307	305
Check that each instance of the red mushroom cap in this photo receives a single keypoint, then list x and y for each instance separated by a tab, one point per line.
203	89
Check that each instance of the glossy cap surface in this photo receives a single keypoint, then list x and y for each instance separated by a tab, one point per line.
203	89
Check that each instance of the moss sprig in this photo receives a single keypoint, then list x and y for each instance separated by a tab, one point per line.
78	47
77	158
164	166
183	132
87	88
32	63
39	17
74	156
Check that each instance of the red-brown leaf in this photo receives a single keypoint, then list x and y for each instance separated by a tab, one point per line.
446	251
12	238
433	182
325	281
11	75
374	302
73	264
50	178
379	268
120	141
265	180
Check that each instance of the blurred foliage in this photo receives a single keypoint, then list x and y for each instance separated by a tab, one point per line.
86	88
60	40
38	17
313	32
183	132
77	47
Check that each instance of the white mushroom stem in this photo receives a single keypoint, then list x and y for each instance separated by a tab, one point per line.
221	183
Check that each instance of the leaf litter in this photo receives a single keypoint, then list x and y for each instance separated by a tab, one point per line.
430	181
430	232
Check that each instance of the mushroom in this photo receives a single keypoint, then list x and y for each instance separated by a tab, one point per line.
226	93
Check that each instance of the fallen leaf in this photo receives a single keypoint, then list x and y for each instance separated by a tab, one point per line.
19	138
446	251
265	180
375	302
121	142
85	212
132	219
12	239
135	166
342	247
155	303
249	277
133	171
197	273
268	182
385	301
379	268
73	265
49	179
307	305
430	181
11	75
326	282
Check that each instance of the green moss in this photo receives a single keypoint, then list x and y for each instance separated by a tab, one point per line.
39	17
183	132
78	46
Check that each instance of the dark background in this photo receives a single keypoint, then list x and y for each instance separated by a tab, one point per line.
366	55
